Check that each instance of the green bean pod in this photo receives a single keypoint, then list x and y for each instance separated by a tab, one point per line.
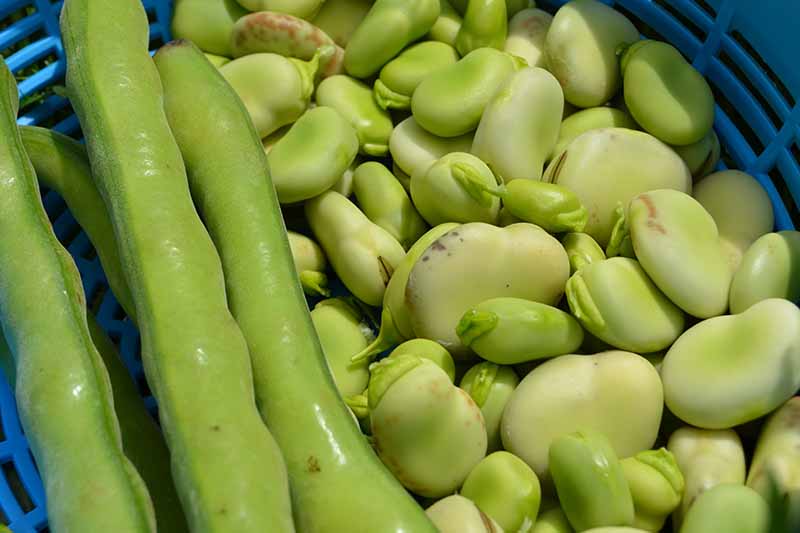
706	459
775	457
506	489
341	18
313	155
581	48
336	481
490	386
454	189
680	111
457	514
729	508
228	469
446	28
363	254
207	23
304	9
342	333
428	349
593	118
520	125
769	269
289	36
401	76
527	31
63	391
656	485
61	164
292	80
414	149
309	263
354	100
581	250
590	481
740	207
384	201
485	25
451	101
142	440
395	317
509	331
390	26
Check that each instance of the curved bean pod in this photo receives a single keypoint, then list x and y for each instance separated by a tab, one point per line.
227	468
337	483
65	402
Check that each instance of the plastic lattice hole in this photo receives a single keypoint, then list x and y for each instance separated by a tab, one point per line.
726	60
64	109
745	44
17	487
115	337
644	28
93	301
89	253
788	200
738	120
794	149
705	6
16	16
151	15
118	313
687	23
156	43
45	529
143	386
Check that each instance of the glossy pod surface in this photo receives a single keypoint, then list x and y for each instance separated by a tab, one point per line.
324	451
65	402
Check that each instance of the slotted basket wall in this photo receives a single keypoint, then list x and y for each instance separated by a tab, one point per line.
747	50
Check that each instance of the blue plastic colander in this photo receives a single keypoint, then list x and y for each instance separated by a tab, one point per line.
747	50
